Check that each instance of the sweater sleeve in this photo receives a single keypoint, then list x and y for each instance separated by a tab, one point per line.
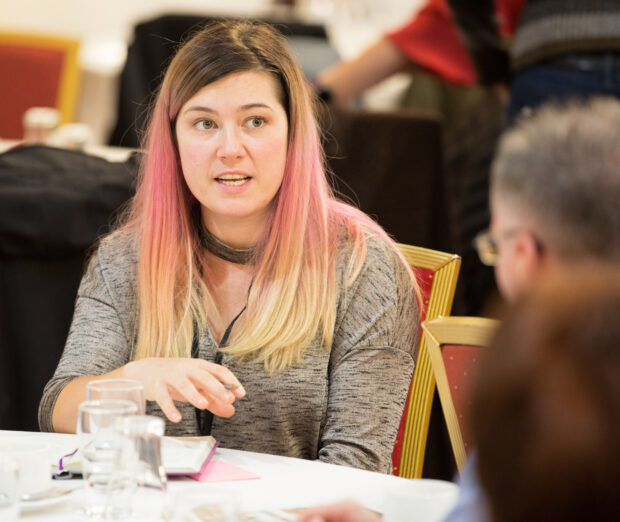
371	364
98	340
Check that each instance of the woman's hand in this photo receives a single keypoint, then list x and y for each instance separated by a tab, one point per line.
204	384
346	511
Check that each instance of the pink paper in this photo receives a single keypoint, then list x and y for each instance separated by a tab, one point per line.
221	471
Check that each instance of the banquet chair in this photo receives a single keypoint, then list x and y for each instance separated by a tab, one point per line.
454	345
37	71
437	274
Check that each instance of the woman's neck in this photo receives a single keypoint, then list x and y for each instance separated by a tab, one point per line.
238	233
229	285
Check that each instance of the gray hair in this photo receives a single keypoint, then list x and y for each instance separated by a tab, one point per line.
561	169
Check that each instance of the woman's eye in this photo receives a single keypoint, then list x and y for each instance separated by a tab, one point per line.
205	124
256	122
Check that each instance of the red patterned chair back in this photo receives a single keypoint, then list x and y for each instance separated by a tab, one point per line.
454	346
437	273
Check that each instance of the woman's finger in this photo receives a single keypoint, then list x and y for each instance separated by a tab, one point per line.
188	393
165	402
209	386
225	376
218	400
221	409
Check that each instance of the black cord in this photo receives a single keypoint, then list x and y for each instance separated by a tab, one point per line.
205	417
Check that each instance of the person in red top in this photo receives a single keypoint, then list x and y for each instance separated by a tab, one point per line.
430	40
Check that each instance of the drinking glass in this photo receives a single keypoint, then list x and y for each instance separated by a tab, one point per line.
138	466
206	503
9	489
140	450
117	389
99	443
34	461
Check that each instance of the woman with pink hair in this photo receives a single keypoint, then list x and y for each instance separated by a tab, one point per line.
252	304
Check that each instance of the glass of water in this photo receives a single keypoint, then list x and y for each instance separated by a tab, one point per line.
117	389
99	443
9	489
138	483
139	453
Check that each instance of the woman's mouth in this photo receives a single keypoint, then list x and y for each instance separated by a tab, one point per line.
232	180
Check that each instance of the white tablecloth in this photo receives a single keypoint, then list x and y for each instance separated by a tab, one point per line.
284	482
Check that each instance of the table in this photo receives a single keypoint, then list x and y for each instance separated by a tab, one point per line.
284	482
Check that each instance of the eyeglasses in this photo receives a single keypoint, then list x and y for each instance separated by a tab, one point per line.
486	245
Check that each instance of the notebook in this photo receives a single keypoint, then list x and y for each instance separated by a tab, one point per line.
187	455
179	455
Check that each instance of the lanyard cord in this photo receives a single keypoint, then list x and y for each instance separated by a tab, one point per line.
205	417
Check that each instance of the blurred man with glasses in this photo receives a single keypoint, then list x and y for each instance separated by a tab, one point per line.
555	203
555	193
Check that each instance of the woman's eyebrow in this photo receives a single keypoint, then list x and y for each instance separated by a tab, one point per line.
200	108
257	105
247	106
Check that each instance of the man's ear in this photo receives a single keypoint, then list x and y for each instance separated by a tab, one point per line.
529	259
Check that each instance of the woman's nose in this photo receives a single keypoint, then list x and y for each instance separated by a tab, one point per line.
231	143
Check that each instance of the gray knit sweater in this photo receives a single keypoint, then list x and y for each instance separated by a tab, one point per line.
341	405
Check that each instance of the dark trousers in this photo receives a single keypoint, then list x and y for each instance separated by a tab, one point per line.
571	76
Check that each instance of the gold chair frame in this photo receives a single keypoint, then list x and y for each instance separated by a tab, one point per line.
469	331
68	89
445	268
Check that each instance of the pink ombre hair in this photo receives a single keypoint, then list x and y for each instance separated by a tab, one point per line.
294	295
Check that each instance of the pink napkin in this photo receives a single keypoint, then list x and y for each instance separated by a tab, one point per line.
221	471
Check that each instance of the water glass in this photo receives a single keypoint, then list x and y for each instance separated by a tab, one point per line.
137	467
9	489
206	503
117	389
99	443
139	454
34	462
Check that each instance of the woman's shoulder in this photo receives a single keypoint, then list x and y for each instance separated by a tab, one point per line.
379	248
380	275
113	264
385	262
381	298
118	250
381	256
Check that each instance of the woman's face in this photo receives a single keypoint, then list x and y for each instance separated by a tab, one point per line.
232	137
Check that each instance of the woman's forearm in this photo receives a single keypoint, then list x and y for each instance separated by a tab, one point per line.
64	415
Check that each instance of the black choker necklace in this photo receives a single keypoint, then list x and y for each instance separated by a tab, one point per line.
239	256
